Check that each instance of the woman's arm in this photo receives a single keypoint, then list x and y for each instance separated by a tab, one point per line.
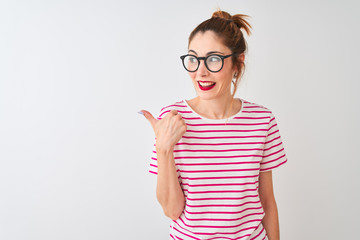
271	218
168	132
168	189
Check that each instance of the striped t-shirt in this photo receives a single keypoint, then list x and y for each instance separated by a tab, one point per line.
218	162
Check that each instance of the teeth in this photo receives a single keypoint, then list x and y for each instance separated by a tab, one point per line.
205	84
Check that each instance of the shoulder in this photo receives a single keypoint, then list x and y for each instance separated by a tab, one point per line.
255	106
258	109
178	106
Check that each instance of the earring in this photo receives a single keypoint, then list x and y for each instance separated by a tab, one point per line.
235	74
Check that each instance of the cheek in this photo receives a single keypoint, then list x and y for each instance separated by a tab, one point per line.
226	80
192	75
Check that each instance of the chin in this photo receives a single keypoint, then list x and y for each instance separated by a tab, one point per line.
206	96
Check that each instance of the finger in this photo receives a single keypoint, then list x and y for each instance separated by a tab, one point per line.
174	112
150	118
179	117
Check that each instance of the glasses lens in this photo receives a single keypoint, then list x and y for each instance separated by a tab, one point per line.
191	63
214	63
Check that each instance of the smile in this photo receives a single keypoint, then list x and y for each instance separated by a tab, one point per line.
205	86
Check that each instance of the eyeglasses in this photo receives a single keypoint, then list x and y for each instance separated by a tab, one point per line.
213	62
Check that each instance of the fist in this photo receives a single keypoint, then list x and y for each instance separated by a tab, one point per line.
168	131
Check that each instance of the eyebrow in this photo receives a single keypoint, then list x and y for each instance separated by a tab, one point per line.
212	52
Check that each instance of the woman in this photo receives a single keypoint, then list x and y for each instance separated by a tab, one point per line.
214	154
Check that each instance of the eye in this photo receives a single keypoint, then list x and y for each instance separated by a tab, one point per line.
214	59
192	59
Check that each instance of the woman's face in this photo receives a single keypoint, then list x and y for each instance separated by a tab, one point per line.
211	85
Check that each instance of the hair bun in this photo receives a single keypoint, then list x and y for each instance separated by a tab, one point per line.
238	19
222	14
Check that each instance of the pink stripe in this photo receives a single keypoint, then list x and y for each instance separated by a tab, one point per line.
272	133
256	112
251	117
267	142
227	124
221	170
179	238
272	127
222	238
210	131
210	150
218	144
193	118
267	149
211	212
174	105
225	191
212	164
254	136
185	233
254	238
265	156
159	118
227	177
220	184
152	172
256	107
209	226
222	150
175	110
172	236
223	219
247	235
223	233
221	157
264	169
222	198
272	160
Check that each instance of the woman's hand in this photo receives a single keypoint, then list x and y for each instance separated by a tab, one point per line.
168	131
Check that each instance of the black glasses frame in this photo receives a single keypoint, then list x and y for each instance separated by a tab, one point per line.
205	59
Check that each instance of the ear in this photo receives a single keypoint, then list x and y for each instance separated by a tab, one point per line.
242	58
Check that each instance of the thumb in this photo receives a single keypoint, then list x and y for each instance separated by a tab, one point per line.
150	118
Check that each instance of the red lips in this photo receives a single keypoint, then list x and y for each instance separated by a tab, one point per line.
206	87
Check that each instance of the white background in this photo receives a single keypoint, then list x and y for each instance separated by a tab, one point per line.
74	152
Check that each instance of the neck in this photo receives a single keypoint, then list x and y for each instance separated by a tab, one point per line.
218	108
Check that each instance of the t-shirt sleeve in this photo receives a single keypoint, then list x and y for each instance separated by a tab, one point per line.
274	152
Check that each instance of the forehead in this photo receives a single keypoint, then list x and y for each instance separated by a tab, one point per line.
204	42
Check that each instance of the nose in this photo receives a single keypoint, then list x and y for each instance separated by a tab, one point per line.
202	70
